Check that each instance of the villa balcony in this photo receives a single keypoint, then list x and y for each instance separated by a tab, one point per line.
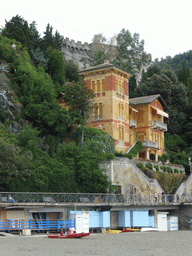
121	143
98	117
120	118
133	123
149	144
158	125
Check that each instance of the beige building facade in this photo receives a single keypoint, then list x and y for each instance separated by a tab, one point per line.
126	120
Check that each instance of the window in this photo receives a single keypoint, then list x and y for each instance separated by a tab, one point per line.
103	85
122	88
119	132
121	135
119	106
98	85
96	109
117	88
100	109
93	86
120	112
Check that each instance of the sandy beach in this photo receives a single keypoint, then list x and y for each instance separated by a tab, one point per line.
177	243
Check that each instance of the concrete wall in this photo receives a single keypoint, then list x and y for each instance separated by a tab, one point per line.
123	172
185	217
185	189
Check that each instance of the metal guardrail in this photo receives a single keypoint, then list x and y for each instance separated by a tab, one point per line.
18	225
94	199
27	197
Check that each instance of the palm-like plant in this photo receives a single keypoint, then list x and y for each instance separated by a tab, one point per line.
4	68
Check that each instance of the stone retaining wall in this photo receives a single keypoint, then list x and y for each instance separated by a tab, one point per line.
123	172
178	167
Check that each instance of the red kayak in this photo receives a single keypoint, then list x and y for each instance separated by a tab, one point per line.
68	235
126	230
86	234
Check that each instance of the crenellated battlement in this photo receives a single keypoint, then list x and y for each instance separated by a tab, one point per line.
75	45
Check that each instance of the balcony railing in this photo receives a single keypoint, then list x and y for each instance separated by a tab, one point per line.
133	123
120	118
85	198
98	117
158	125
121	142
149	144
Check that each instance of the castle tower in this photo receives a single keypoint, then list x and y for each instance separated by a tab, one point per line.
111	113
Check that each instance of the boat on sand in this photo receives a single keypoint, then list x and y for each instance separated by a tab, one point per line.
69	234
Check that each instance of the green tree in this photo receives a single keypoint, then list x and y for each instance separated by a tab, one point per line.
39	102
13	163
94	139
55	66
79	98
50	40
38	58
158	81
71	71
13	57
58	41
174	142
130	52
19	29
89	176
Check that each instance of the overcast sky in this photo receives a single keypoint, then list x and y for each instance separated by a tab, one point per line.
164	25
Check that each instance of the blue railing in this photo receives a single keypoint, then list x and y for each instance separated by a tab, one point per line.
18	225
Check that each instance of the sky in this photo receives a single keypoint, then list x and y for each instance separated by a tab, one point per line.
164	25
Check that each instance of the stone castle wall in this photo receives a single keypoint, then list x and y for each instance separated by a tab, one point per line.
80	53
77	52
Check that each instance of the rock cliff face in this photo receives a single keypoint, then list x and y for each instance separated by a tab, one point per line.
9	108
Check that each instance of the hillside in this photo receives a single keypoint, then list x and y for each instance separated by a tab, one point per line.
176	62
34	155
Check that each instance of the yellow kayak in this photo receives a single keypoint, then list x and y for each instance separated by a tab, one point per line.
113	231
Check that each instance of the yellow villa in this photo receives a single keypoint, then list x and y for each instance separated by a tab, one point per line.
146	122
126	120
